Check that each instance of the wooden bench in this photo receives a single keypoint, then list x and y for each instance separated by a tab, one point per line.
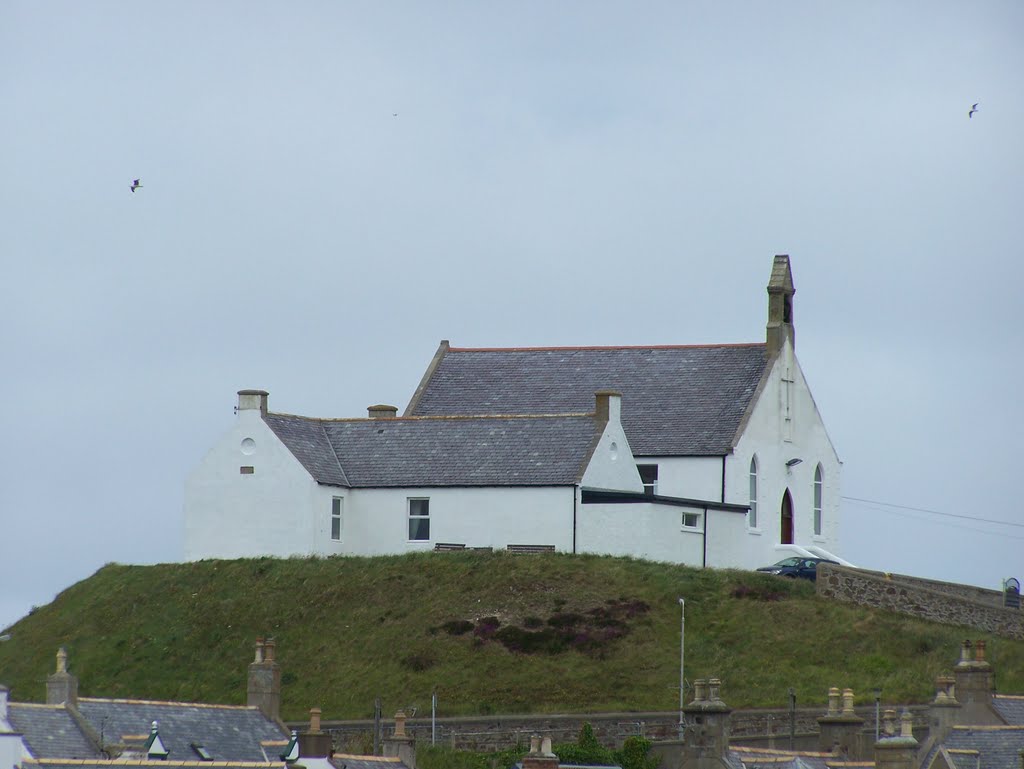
531	548
447	547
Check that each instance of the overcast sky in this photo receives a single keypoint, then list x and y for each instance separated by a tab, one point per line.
556	174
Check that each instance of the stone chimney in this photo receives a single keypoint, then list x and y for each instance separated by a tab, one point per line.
61	686
5	693
897	751
943	713
706	732
264	689
315	743
400	745
251	400
608	406
381	411
974	684
840	729
540	755
780	306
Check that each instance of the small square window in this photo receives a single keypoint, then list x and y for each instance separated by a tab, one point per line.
649	478
419	520
691	520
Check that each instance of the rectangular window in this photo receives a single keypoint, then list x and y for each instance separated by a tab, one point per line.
649	477
691	520
336	519
419	520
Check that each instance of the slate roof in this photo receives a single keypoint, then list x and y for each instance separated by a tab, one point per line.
228	733
365	762
1010	708
677	400
168	764
50	731
993	747
449	451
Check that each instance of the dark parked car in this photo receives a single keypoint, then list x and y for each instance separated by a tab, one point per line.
796	567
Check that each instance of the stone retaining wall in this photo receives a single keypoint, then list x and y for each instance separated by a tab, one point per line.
490	733
935	601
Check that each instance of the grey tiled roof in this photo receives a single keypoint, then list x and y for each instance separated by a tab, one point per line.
677	401
1010	708
365	762
758	758
997	747
168	764
228	733
450	451
50	731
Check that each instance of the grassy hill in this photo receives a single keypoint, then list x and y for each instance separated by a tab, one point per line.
493	633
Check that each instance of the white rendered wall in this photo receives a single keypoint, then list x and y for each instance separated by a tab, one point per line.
270	512
688	477
377	520
612	466
767	436
656	532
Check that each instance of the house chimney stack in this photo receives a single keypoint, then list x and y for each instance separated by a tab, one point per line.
315	743
264	689
973	683
839	730
61	686
897	751
780	306
607	406
400	744
540	755
251	400
706	734
381	411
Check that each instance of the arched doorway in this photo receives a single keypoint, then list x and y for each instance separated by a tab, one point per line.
786	537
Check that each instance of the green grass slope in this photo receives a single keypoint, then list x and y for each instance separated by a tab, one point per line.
492	633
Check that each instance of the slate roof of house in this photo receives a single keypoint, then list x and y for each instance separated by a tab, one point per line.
168	764
1010	708
451	451
228	733
365	762
993	747
677	400
50	731
769	758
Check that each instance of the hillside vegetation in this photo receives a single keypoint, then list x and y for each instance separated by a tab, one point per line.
492	633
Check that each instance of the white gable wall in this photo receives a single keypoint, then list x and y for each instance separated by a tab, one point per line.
233	515
611	465
766	435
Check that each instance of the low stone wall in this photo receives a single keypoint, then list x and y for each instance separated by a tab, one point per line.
931	600
766	727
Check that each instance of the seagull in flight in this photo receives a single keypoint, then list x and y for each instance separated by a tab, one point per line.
974	108
135	185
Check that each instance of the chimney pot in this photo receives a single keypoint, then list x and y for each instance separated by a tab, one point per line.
545	746
965	651
833	701
906	724
400	724
700	686
381	411
314	720
848	702
259	650
535	743
979	651
268	649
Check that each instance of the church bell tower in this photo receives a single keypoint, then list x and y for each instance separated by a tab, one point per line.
780	306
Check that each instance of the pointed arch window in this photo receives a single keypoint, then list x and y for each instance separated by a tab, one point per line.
752	520
818	487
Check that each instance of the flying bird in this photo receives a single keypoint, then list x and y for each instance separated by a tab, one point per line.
135	185
974	108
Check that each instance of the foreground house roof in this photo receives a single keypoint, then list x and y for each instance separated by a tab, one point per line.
677	400
550	450
50	731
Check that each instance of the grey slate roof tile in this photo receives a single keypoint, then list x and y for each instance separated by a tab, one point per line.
407	452
998	747
229	733
168	764
1011	708
677	401
50	731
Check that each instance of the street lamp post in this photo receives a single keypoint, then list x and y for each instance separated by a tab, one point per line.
878	703
682	657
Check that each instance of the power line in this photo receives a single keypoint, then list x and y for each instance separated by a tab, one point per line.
934	512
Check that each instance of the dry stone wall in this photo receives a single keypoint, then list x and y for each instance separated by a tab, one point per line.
932	600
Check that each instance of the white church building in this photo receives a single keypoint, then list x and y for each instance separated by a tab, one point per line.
709	455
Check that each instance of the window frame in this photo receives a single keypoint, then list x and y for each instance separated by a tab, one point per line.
650	487
752	492
337	518
819	496
420	518
697	520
